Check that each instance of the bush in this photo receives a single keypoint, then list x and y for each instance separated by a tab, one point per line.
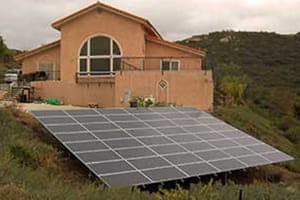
297	107
23	156
286	123
293	134
233	89
11	191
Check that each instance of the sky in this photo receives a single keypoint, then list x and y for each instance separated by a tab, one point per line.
25	24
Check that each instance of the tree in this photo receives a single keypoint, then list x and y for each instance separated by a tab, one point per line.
3	48
233	89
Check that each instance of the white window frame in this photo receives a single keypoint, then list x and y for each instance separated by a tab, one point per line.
170	64
88	57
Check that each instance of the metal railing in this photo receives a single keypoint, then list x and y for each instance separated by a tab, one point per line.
156	63
162	64
41	76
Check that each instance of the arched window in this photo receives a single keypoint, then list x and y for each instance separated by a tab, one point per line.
99	55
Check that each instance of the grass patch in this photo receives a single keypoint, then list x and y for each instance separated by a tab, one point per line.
244	118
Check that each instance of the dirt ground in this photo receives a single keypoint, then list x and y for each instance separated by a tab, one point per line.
38	106
2	94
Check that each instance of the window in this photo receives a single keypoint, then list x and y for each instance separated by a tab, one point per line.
48	68
99	55
169	65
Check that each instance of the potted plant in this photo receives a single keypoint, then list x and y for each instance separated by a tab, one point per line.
133	102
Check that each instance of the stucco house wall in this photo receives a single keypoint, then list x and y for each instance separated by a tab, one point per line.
127	33
183	88
76	94
188	61
179	89
30	64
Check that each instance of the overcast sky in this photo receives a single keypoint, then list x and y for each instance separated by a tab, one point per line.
25	24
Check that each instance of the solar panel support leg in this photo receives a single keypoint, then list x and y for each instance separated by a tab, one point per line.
241	194
225	178
132	189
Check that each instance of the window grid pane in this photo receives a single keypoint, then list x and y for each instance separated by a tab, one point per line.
48	68
174	65
83	51
116	49
116	64
83	65
165	65
100	46
100	65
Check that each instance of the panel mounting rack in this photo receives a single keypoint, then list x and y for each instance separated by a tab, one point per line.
139	146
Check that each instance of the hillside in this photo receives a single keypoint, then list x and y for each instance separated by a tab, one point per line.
264	68
33	166
262	72
269	59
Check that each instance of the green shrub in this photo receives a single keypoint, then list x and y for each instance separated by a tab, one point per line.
293	134
287	122
233	89
297	107
23	156
293	165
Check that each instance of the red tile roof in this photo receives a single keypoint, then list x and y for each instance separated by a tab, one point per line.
28	53
57	24
176	45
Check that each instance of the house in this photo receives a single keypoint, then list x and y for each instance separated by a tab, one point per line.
105	56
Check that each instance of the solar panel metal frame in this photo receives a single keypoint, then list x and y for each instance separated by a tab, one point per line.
115	118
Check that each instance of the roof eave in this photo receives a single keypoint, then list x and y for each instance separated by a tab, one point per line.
176	46
57	24
23	55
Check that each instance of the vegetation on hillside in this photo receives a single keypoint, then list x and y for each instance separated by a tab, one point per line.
3	52
6	58
257	84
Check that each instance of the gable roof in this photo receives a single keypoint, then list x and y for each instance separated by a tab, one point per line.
151	33
176	45
146	23
39	49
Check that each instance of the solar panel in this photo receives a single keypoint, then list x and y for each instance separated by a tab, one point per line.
137	146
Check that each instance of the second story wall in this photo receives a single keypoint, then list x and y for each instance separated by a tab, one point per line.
187	61
50	57
128	33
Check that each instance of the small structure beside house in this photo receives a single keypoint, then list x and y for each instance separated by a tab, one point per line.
105	56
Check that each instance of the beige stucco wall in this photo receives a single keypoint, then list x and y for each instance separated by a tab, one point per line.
129	34
189	88
75	94
30	64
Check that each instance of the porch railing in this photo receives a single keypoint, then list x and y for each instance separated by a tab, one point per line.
147	64
41	76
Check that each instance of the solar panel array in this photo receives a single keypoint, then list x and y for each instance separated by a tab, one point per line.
136	146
